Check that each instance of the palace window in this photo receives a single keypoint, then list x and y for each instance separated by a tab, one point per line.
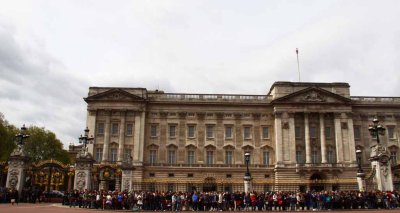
129	129
391	132
330	156
228	157
313	132
153	130
113	154
172	131
297	132
210	131
228	132
114	128
393	156
299	158
265	132
190	157
171	156
314	156
153	156
100	128
127	154
328	132
99	154
266	158
191	131
210	157
357	132
247	132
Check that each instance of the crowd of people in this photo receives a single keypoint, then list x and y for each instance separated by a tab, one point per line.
236	201
214	201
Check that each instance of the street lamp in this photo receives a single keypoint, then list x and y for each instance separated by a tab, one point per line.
376	129
21	136
358	156
360	172
247	160
85	139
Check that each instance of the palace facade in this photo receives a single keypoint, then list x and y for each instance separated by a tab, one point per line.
301	136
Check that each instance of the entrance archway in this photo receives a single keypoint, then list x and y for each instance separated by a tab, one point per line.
209	185
316	182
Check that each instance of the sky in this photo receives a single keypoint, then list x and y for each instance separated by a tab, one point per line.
51	52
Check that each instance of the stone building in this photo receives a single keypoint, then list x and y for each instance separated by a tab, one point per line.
300	136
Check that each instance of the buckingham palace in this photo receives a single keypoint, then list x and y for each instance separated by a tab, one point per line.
300	136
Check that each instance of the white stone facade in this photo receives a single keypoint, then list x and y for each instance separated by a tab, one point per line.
300	136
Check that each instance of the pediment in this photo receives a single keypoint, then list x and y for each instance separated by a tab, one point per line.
313	95
114	95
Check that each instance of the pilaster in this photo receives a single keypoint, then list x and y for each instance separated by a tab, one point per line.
307	138
106	136
338	138
121	139
278	138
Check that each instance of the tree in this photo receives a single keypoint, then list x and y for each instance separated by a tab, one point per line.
44	145
7	135
41	145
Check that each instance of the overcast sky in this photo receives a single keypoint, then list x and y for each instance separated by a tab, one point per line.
52	51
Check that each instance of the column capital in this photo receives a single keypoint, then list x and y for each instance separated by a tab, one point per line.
350	114
291	114
278	114
337	115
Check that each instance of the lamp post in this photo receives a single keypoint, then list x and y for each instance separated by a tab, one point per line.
17	163
360	172
85	140
247	160
20	137
376	129
247	176
380	158
83	164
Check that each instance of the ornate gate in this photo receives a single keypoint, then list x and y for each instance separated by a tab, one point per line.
51	175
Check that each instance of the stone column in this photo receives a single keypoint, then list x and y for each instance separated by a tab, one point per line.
361	181
352	143
83	171
247	184
338	138
136	142
307	138
322	136
127	178
17	166
142	129
380	161
278	137
106	137
91	124
121	139
292	138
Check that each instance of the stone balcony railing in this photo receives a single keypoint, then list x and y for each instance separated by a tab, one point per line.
208	165
210	97
368	99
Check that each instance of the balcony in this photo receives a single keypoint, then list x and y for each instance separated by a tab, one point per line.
184	165
167	97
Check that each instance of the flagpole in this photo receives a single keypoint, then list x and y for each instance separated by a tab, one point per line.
298	65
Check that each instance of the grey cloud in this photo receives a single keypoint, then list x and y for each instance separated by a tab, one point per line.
37	90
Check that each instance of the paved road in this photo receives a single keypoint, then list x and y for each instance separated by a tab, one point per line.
55	208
